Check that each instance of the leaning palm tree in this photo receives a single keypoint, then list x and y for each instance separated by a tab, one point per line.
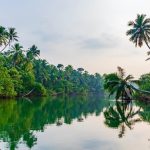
140	31
11	37
122	86
119	84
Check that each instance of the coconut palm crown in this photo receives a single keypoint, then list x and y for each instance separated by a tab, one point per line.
119	85
140	31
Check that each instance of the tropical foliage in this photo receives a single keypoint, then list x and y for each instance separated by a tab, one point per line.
140	31
24	73
119	85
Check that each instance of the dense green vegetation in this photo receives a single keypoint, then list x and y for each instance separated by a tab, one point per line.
24	73
120	85
124	87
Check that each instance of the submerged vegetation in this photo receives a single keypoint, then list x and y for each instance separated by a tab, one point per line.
24	73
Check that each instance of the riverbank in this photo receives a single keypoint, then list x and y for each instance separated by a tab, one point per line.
23	72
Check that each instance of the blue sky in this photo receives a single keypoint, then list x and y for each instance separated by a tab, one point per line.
83	33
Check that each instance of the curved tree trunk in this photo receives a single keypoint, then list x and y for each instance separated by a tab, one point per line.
5	46
148	51
140	91
28	93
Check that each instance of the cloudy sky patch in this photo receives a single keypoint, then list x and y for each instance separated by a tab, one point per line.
83	33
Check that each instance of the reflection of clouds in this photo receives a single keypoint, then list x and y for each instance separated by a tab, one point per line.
96	144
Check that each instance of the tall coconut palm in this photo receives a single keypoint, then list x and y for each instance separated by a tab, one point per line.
33	52
80	70
41	71
122	86
11	37
119	84
16	54
60	66
140	31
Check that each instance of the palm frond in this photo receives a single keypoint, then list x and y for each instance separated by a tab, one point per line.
146	21
129	77
131	23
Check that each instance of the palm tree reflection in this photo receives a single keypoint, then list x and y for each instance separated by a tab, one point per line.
120	116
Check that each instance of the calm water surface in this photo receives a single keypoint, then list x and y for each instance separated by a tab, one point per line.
74	123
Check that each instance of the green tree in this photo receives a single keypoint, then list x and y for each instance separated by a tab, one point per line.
140	31
119	84
60	66
11	37
80	70
29	75
6	84
16	54
3	36
33	52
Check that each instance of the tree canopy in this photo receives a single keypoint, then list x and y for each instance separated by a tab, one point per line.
24	73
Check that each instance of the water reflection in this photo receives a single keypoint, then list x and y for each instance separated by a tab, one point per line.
121	115
145	113
19	119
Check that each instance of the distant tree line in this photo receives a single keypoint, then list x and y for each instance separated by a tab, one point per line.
24	73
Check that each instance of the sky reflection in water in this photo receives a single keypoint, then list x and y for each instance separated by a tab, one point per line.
76	123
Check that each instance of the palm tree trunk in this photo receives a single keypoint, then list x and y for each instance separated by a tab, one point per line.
140	91
5	46
28	93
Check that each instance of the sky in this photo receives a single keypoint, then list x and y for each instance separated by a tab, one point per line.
84	33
